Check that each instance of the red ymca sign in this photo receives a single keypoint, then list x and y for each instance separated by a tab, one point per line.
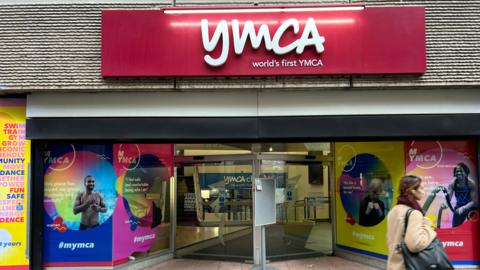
263	41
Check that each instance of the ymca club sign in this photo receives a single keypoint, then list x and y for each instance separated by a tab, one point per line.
263	41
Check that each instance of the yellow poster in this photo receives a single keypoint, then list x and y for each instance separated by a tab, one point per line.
367	175
14	160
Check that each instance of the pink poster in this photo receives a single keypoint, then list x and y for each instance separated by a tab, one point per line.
449	171
143	172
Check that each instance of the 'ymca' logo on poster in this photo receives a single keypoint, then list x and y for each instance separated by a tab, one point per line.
60	163
426	159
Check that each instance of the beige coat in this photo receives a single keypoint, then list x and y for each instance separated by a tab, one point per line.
419	234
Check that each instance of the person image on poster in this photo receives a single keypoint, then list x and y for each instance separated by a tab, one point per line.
465	191
89	203
372	209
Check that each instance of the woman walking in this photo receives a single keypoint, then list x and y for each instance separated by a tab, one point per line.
419	231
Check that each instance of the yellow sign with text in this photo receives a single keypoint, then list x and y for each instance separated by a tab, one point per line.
367	175
14	160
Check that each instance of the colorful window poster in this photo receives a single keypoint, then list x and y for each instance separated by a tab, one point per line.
14	160
366	174
141	222
79	201
449	171
105	202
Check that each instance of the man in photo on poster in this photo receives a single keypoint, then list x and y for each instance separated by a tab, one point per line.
89	203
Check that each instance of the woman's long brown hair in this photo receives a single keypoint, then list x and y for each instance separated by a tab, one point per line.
407	184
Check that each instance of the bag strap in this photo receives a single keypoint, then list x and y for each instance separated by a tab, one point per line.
409	211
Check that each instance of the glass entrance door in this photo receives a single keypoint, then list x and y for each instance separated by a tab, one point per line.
215	206
214	209
304	226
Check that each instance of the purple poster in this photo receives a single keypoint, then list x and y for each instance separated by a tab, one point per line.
449	171
143	172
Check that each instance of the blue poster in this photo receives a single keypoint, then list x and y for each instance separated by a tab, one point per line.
79	200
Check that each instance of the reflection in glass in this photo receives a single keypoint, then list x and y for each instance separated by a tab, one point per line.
214	207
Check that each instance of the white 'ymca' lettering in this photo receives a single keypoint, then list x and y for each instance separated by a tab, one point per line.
309	37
